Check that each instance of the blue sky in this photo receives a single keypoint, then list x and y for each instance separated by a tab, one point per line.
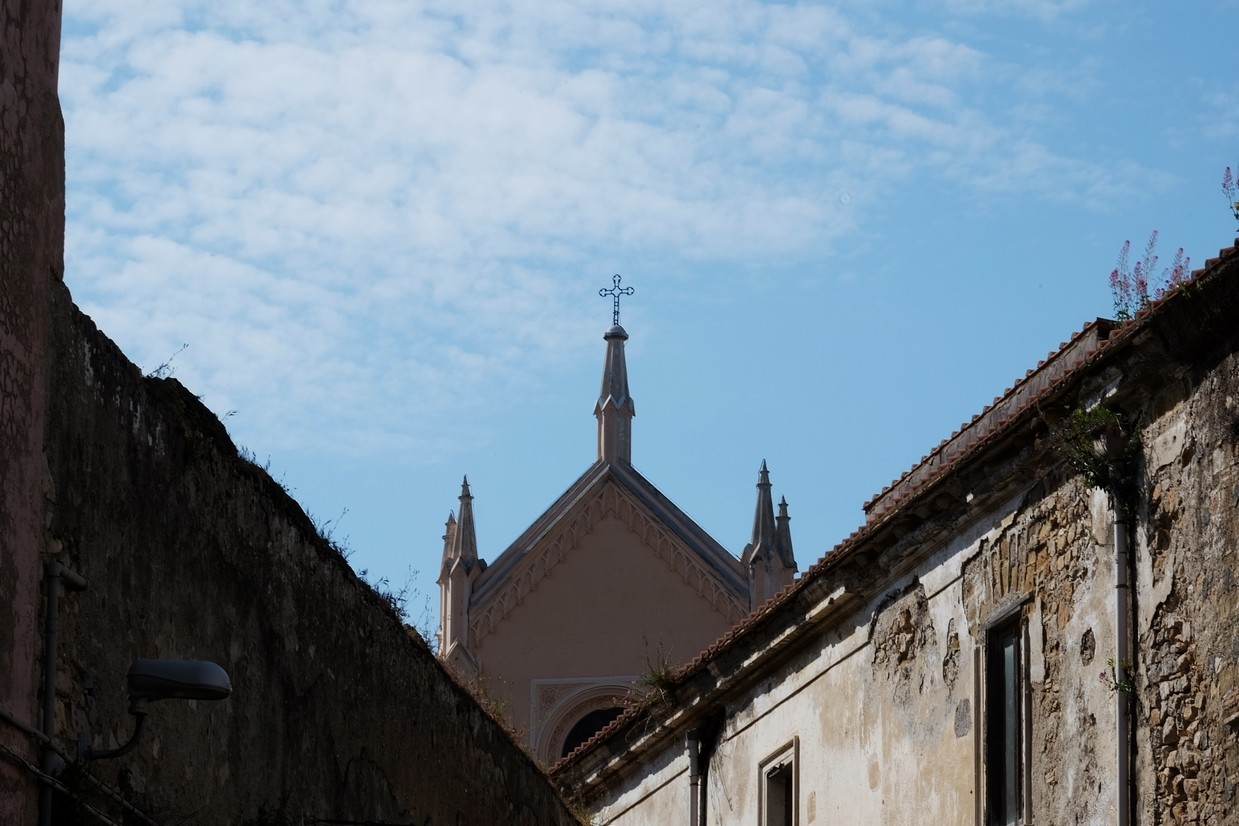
381	228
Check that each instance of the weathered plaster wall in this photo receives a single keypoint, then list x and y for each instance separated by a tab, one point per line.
884	704
879	705
1052	557
192	551
31	259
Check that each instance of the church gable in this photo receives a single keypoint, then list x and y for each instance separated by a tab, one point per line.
613	580
578	519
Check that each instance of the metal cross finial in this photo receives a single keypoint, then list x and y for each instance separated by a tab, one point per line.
615	292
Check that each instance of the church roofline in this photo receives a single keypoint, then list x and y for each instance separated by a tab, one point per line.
714	555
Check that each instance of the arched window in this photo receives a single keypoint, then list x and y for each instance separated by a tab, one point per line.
571	710
588	726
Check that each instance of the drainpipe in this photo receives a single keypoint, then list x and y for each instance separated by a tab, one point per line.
58	577
693	742
1122	655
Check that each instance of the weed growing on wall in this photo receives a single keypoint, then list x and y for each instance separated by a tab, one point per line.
397	599
1110	679
166	369
1103	446
659	676
327	532
403	601
425	623
1077	439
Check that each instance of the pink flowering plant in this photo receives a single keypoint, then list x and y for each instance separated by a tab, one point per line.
1231	191
1130	284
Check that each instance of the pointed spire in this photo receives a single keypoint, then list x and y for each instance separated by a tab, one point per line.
449	541
461	569
763	541
465	541
615	408
771	564
783	536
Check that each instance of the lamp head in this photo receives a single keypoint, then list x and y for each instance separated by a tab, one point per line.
178	679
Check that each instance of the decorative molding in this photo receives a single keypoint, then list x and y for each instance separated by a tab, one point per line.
610	502
547	695
557	706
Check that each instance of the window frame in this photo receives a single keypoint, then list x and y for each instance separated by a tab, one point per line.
784	761
1006	702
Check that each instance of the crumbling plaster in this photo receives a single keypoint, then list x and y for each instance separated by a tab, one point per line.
884	706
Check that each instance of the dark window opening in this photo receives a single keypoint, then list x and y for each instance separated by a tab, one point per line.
588	726
780	795
1004	726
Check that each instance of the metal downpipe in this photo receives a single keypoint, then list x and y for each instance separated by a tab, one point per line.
1122	658
693	743
58	577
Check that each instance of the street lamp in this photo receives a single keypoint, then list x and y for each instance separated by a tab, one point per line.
151	680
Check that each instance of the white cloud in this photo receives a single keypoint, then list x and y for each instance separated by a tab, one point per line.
1047	11
344	207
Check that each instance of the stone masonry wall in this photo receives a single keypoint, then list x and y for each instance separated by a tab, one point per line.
1042	557
1183	694
1187	691
1051	557
191	551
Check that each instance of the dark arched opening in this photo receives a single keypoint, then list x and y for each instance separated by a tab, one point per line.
588	726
